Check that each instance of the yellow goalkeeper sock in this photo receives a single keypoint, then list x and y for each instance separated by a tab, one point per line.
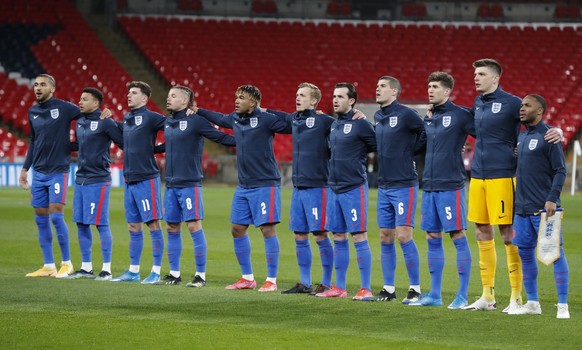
487	266
515	271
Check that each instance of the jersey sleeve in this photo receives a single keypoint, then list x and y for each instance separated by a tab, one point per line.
286	117
558	163
214	134
469	123
223	120
281	124
368	135
159	121
30	152
73	111
114	132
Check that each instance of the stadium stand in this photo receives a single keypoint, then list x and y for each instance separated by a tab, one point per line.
326	52
53	38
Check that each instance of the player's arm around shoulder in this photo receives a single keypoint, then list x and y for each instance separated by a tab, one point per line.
72	111
212	133
278	124
368	134
468	120
158	120
222	120
115	132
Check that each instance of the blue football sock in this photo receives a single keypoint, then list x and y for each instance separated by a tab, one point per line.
326	253
157	247
436	264
85	241
174	250
388	261
200	250
135	247
304	259
364	256
242	249
464	261
342	261
562	277
106	242
272	255
45	238
58	220
530	272
412	261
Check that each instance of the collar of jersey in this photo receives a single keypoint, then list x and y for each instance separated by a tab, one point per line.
443	107
138	110
494	95
95	115
390	108
179	114
346	116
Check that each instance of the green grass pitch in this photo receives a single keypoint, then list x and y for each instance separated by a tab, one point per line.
61	314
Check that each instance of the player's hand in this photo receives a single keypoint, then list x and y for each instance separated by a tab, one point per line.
106	113
319	111
358	114
263	109
192	110
189	112
23	179
550	209
429	111
554	135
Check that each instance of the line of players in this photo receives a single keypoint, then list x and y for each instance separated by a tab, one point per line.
329	176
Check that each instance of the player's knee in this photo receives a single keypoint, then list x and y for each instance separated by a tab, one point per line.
134	227
484	232
301	236
174	226
404	235
238	231
457	234
340	236
432	235
387	235
268	230
193	226
41	211
360	237
320	235
56	208
154	225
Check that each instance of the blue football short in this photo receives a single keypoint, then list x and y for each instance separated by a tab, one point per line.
257	206
396	207
91	203
183	204
143	201
348	211
444	211
48	189
308	206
